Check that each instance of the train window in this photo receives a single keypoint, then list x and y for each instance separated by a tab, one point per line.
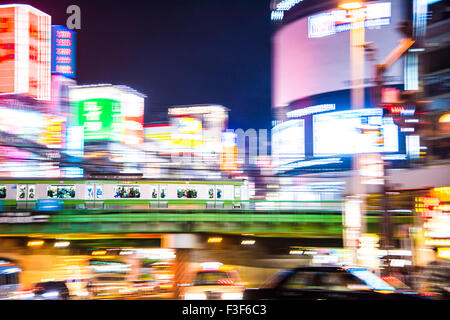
211	193
99	191
61	192
187	193
155	193
31	191
2	192
237	192
127	192
219	193
21	191
90	191
163	192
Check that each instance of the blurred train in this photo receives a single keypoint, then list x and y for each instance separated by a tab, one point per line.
119	194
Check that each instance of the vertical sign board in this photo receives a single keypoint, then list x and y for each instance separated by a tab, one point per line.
63	51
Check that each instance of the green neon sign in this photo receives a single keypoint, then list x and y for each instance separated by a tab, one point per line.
101	118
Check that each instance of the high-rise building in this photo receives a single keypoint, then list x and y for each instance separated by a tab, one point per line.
25	56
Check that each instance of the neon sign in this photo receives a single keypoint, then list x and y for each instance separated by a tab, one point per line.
63	51
332	22
310	110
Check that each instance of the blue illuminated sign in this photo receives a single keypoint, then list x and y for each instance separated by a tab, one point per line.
63	51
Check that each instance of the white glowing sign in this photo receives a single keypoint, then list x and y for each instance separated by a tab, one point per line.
332	22
354	131
288	142
283	5
310	110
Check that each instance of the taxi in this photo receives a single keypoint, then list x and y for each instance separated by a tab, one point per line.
213	281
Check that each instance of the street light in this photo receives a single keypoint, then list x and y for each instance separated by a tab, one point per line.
355	202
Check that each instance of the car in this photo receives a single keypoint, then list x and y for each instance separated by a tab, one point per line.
110	286
327	283
213	281
51	290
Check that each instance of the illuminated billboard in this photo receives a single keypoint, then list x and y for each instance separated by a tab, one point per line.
26	124
187	132
53	133
158	138
354	131
108	113
25	51
63	51
198	129
328	23
288	142
228	156
311	56
132	108
75	141
101	119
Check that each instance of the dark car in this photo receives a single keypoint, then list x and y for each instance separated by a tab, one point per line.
327	283
51	290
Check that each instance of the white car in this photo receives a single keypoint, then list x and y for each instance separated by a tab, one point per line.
213	282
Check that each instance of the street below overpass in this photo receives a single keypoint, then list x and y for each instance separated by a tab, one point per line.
255	258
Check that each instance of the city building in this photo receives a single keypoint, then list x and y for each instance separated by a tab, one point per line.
25	57
318	129
436	81
111	118
192	143
34	100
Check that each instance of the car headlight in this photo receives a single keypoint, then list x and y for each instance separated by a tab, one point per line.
27	296
195	296
51	294
232	296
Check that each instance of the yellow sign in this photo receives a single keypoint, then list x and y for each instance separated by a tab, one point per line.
444	253
189	125
442	193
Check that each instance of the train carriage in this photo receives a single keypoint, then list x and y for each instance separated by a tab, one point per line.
122	194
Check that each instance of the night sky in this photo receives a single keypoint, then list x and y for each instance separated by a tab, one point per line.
177	52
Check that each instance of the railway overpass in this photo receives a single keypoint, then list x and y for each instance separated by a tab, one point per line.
186	231
292	223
